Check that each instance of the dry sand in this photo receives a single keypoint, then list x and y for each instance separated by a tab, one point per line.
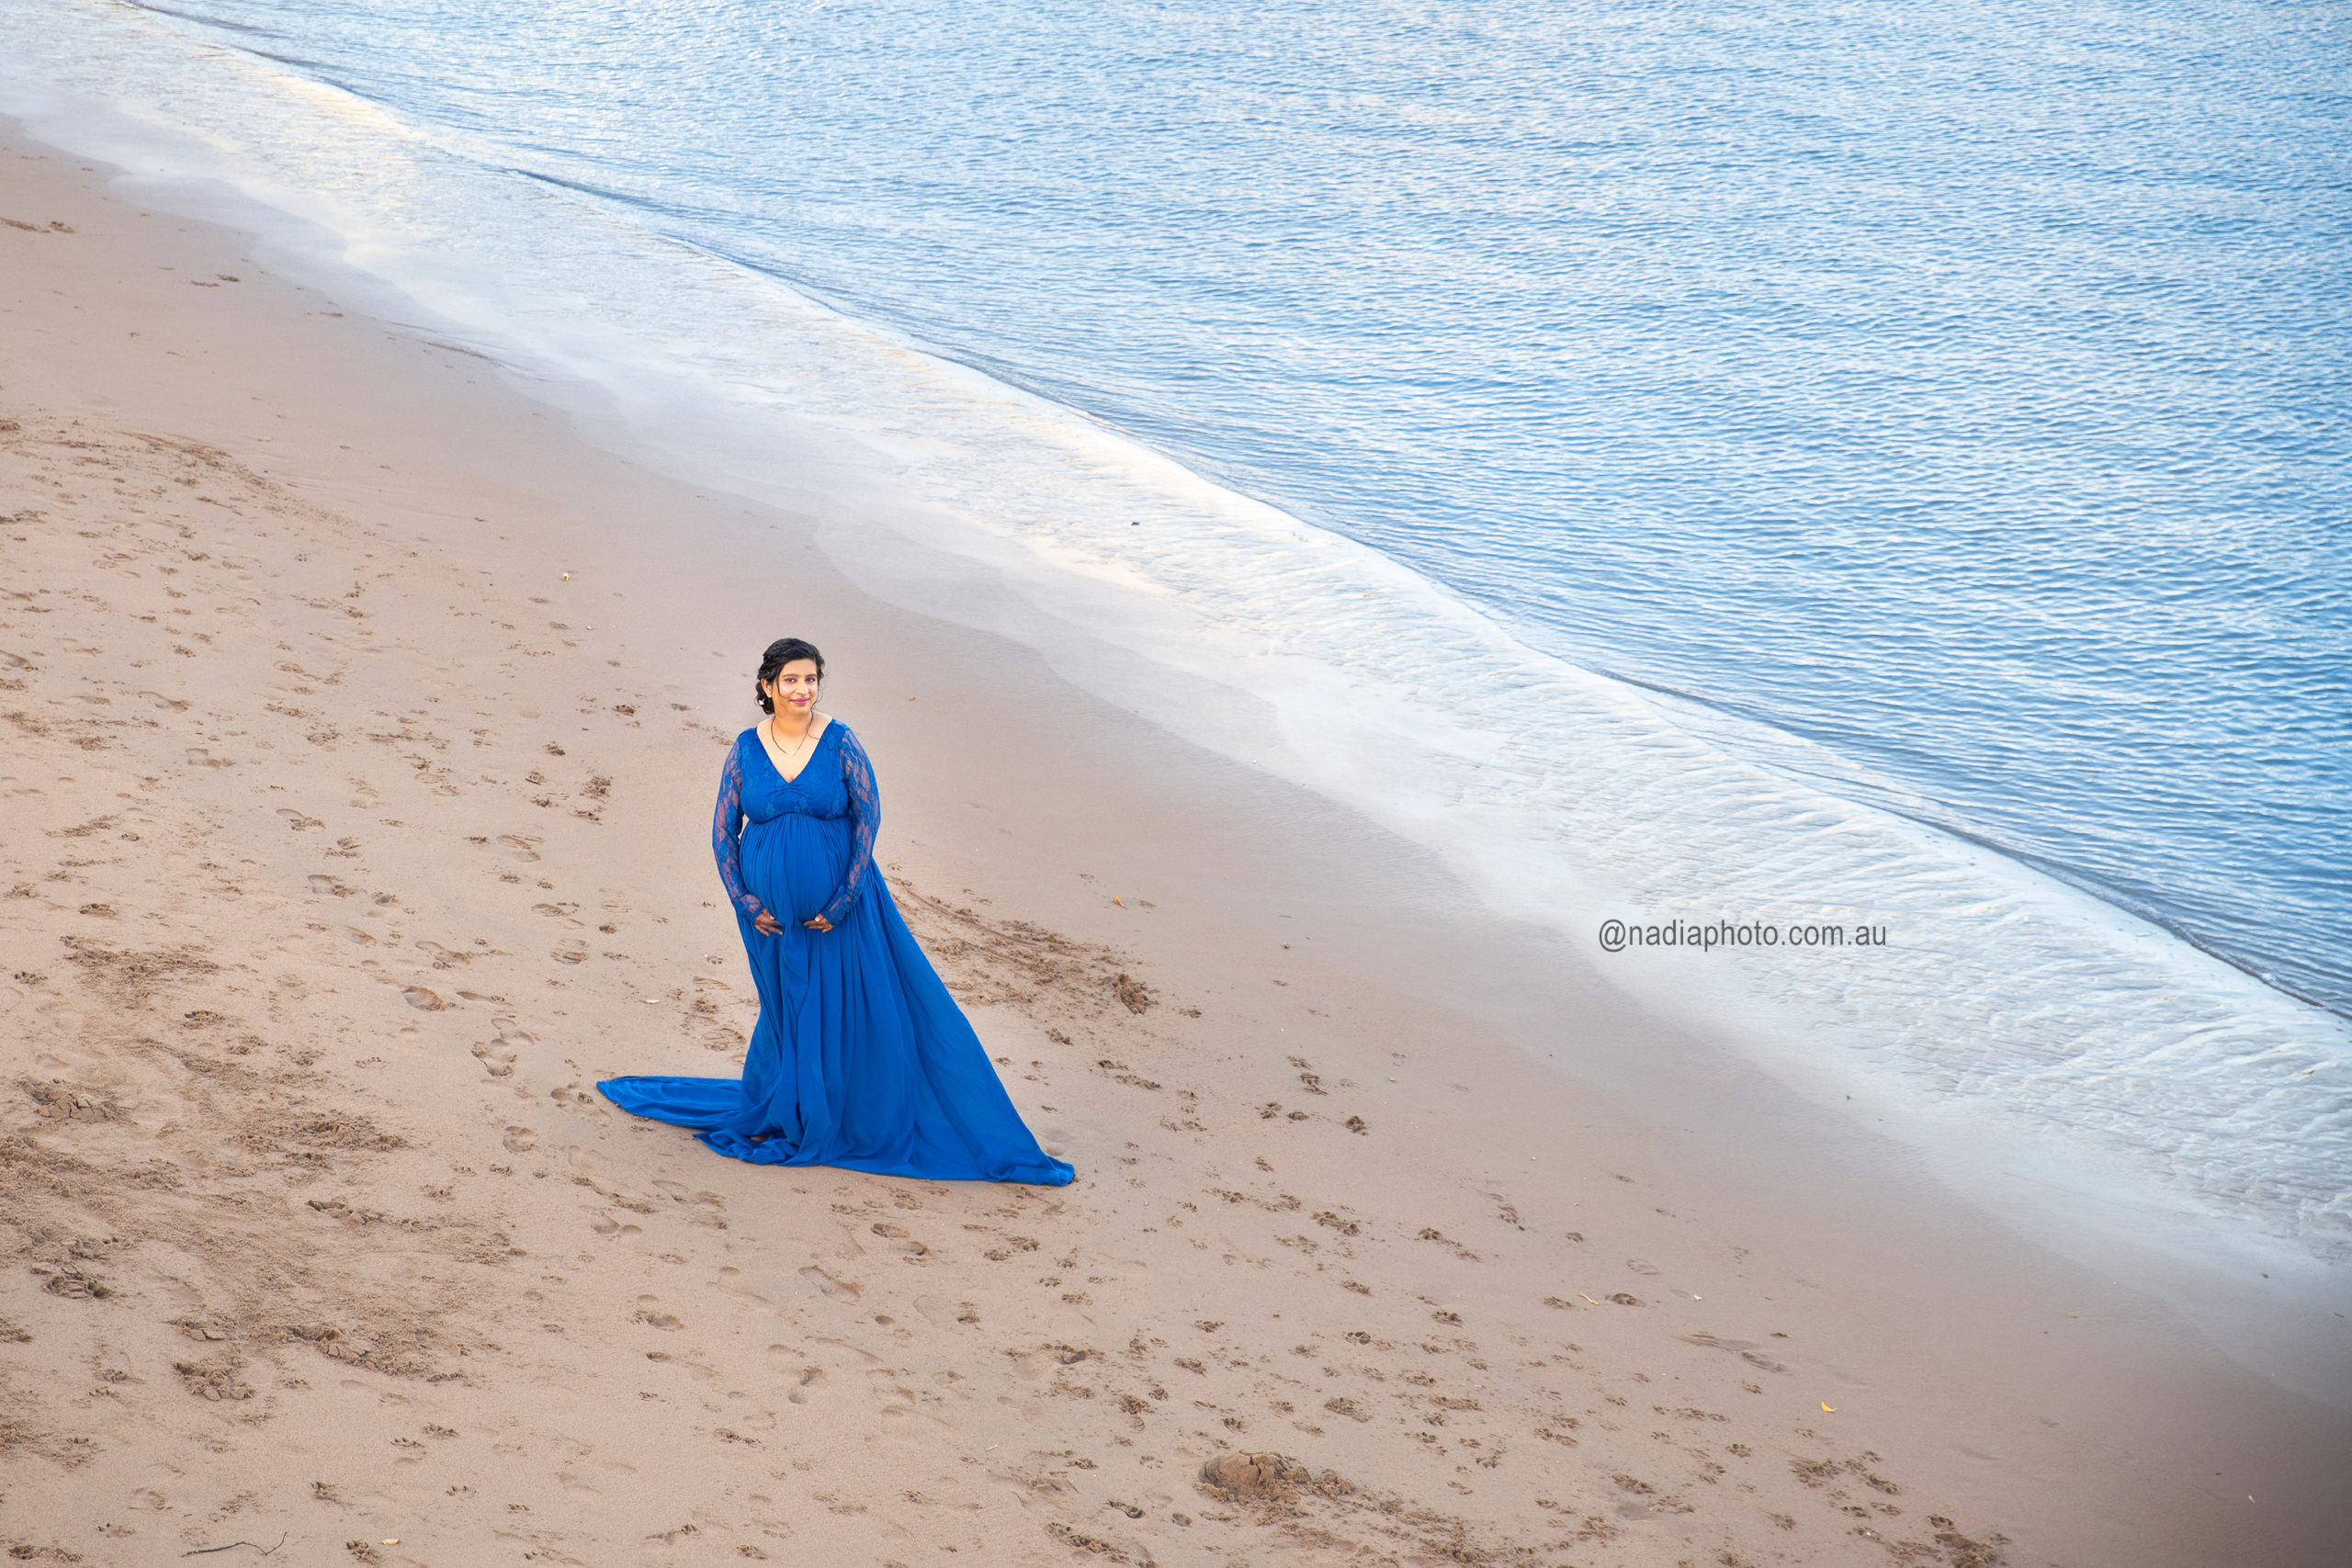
347	842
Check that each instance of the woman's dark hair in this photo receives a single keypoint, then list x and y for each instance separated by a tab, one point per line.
781	652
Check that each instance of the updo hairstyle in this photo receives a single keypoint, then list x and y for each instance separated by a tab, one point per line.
784	651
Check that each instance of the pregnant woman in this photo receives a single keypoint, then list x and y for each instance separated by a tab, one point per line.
861	1059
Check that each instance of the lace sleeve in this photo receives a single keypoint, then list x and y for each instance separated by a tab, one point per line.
866	814
726	829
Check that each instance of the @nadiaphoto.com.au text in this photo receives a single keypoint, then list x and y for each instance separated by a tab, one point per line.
1616	936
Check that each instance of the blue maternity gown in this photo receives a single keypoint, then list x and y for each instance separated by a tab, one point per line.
861	1059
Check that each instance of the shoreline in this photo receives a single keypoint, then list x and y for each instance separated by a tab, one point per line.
1217	866
1556	795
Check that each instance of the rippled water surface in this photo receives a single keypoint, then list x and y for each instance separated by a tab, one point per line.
1944	402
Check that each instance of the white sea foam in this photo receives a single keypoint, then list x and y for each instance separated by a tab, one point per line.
2009	1010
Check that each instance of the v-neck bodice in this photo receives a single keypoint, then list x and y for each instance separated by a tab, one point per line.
767	745
816	790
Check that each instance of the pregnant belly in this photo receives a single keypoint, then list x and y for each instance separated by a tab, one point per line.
793	864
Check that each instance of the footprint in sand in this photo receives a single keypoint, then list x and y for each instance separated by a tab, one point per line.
521	1140
730	1280
649	1311
423	999
942	1313
839	1290
900	1240
806	1381
497	1058
895	1397
1746	1349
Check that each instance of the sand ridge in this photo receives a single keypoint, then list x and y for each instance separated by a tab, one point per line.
324	911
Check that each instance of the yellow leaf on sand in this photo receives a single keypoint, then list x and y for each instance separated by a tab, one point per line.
1831	1408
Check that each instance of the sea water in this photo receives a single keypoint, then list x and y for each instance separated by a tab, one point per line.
1873	469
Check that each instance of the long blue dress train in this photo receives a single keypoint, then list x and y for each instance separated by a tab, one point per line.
861	1059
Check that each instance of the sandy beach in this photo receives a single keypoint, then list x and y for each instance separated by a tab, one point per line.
362	723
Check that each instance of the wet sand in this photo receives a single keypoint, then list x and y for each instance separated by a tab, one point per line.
362	723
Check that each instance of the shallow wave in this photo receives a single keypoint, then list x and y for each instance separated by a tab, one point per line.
2015	1004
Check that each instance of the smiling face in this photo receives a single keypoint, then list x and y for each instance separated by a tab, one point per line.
794	691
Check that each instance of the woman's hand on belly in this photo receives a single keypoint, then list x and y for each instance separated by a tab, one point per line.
767	924
817	923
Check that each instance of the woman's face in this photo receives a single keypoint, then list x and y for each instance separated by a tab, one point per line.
794	690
